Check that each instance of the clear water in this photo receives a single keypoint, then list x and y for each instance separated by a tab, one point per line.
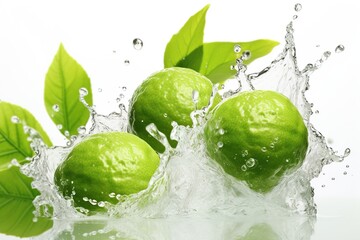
190	197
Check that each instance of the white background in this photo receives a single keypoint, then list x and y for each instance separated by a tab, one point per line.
99	34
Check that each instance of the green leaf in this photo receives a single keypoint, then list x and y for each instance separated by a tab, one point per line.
13	139
189	38
217	57
63	81
16	207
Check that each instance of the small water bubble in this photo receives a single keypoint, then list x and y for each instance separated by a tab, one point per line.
112	195
272	145
85	199
118	197
165	115
99	89
138	43
250	162
295	17
101	204
83	92
59	126
221	131
93	202
263	149
220	144
244	168
333	178
124	88
244	153
345	173
318	45
323	185
246	55
67	133
298	7
56	107
126	62
340	48
237	48
347	166
15	119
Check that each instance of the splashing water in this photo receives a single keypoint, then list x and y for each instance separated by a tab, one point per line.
183	187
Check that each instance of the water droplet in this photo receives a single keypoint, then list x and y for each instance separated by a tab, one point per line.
112	195
165	115
83	92
323	185
221	131
138	43
101	204
237	48
85	199
263	149
326	55
195	96
246	55
345	173
347	166
93	201
250	162
124	88
127	62
99	89
298	7
14	162
347	152
56	107
81	130
244	168
15	119
220	144
244	153
59	126
67	133
340	48
333	178
272	145
118	197
295	17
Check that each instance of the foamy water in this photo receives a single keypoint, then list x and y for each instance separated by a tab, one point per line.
189	188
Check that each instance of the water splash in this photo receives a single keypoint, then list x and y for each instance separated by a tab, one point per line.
186	175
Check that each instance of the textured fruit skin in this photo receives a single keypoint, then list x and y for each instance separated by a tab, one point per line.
105	163
261	127
164	97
